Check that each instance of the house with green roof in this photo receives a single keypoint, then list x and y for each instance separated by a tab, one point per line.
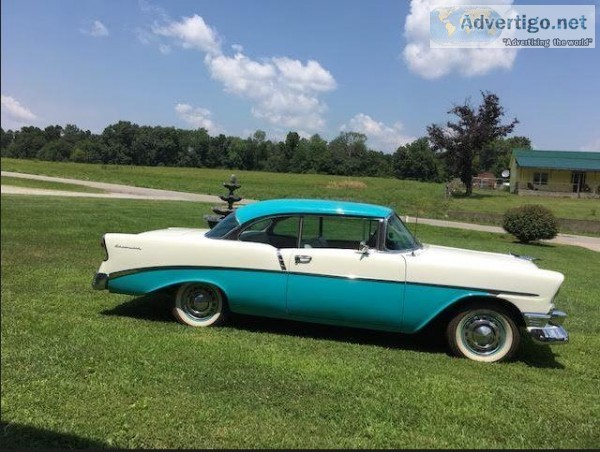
555	173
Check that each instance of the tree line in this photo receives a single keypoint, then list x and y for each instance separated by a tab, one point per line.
478	137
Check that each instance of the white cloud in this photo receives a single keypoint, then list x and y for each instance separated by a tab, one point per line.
381	136
284	92
197	117
97	29
435	63
192	33
14	114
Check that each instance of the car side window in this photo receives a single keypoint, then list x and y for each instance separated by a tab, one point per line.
398	237
280	232
338	232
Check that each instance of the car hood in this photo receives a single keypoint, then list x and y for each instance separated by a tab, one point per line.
460	257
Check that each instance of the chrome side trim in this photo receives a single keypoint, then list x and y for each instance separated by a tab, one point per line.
100	281
281	261
546	328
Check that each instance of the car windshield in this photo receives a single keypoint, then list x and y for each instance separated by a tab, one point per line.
398	237
223	227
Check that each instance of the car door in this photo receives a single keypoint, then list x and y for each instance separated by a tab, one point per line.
331	280
261	287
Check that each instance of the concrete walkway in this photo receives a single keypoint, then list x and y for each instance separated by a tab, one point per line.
130	192
112	190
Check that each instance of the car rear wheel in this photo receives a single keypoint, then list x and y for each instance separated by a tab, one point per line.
199	305
483	333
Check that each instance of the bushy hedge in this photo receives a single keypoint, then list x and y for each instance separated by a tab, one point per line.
530	222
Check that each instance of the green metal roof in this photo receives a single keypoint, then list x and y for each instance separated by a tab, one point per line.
567	160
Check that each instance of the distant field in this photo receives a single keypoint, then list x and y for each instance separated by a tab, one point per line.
83	368
30	183
408	197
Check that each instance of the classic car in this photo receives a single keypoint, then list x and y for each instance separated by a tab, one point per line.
338	263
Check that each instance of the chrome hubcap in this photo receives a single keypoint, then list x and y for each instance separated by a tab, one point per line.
483	334
200	302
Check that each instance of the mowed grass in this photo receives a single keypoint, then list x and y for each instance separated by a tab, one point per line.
84	368
411	198
47	185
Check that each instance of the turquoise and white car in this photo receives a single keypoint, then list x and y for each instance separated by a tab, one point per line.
338	263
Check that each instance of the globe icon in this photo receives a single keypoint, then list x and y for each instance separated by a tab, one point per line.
464	25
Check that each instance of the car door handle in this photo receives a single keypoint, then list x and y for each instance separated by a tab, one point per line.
302	259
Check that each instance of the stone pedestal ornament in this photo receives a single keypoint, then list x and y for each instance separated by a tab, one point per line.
222	211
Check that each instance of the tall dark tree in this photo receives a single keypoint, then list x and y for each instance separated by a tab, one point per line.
460	142
292	140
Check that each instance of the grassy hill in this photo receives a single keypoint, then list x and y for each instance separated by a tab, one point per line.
411	198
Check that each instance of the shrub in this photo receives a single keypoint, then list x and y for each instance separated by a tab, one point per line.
454	186
530	223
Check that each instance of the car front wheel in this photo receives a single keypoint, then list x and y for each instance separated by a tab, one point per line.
199	305
486	334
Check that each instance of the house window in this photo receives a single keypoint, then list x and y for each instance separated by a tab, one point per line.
578	181
540	178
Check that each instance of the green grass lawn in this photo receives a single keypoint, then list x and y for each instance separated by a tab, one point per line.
84	368
408	197
31	183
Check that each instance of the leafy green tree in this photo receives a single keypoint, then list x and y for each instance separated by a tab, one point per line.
348	151
217	152
235	153
6	139
277	162
27	143
91	150
416	161
53	133
292	140
261	149
193	147
166	145
73	134
119	139
495	156
461	141
318	155
55	150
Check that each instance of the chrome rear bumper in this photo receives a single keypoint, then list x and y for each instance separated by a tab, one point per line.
546	328
100	281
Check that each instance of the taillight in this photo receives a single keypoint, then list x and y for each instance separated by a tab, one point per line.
103	245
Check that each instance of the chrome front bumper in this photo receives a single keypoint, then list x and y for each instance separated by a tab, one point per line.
546	328
100	281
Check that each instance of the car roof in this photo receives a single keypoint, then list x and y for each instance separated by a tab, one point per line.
309	207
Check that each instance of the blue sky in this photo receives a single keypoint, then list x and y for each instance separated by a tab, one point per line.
235	66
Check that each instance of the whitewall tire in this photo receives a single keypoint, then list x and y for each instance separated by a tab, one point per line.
199	305
483	333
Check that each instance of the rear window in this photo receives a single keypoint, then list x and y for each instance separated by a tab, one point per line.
223	227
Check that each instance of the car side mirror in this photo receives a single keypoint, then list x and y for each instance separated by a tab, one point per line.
363	248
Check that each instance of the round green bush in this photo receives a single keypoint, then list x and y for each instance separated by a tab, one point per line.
530	222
